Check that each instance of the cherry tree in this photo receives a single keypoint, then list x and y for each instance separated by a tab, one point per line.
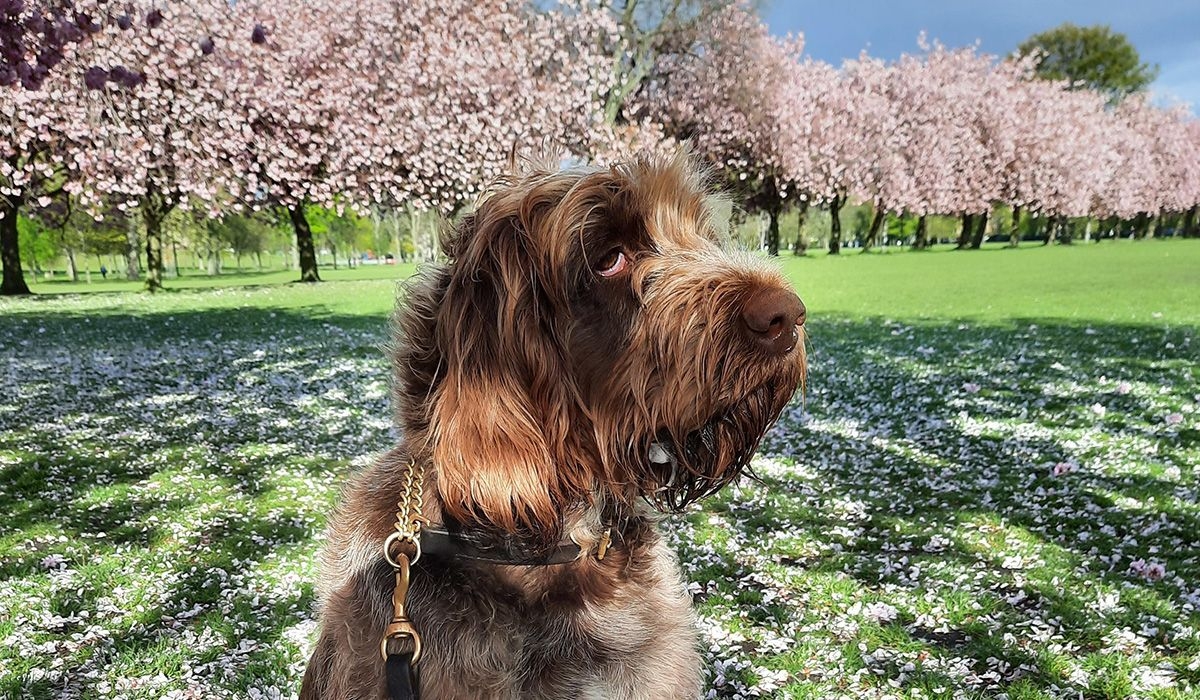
1173	157
160	103
41	132
474	83
939	155
1191	185
288	93
811	92
729	99
852	122
418	104
1124	169
869	157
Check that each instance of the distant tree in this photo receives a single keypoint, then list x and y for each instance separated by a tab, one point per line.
102	237
1095	58
60	218
38	246
345	230
246	234
728	97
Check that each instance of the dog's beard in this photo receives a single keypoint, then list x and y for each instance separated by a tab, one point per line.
680	466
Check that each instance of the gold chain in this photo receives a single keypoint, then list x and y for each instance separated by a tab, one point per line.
408	531
408	515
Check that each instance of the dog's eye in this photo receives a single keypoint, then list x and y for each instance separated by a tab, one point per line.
612	263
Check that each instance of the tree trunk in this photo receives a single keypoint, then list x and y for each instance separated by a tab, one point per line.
1158	226
133	266
258	258
401	253
1014	234
1189	223
154	210
72	271
175	256
876	223
773	213
1048	235
964	235
304	244
212	263
921	239
980	231
1141	225
1064	232
835	225
333	254
800	245
14	277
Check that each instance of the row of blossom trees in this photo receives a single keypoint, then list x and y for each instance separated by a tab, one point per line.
944	131
271	103
267	103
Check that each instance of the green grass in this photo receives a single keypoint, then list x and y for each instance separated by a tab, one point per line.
1123	281
997	452
192	279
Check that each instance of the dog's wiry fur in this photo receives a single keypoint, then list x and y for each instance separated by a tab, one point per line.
530	390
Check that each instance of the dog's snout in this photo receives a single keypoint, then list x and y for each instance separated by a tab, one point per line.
770	318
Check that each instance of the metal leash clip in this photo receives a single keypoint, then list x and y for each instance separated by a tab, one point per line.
400	628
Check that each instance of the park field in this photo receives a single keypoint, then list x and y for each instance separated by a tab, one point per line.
991	487
1112	281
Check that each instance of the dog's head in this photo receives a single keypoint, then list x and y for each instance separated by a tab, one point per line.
592	336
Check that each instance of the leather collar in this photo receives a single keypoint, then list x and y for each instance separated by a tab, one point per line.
507	551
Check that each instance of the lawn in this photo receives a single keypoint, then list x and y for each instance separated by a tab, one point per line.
991	486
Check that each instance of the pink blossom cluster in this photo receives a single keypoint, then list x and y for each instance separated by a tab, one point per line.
268	102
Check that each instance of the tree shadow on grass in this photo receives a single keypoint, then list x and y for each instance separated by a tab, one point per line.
163	461
255	412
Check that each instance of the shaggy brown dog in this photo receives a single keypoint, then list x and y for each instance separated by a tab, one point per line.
591	347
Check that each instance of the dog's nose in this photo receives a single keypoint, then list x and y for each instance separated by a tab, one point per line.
770	318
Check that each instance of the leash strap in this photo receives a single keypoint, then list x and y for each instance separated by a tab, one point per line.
401	677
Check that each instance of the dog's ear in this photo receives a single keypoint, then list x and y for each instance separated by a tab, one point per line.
499	416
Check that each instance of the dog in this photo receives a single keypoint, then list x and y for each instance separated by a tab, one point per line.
592	353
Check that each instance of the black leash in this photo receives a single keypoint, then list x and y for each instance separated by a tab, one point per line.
401	677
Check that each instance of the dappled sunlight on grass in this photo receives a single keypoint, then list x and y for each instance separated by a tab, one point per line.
959	507
999	538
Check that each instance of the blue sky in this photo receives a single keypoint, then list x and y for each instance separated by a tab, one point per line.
1166	32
